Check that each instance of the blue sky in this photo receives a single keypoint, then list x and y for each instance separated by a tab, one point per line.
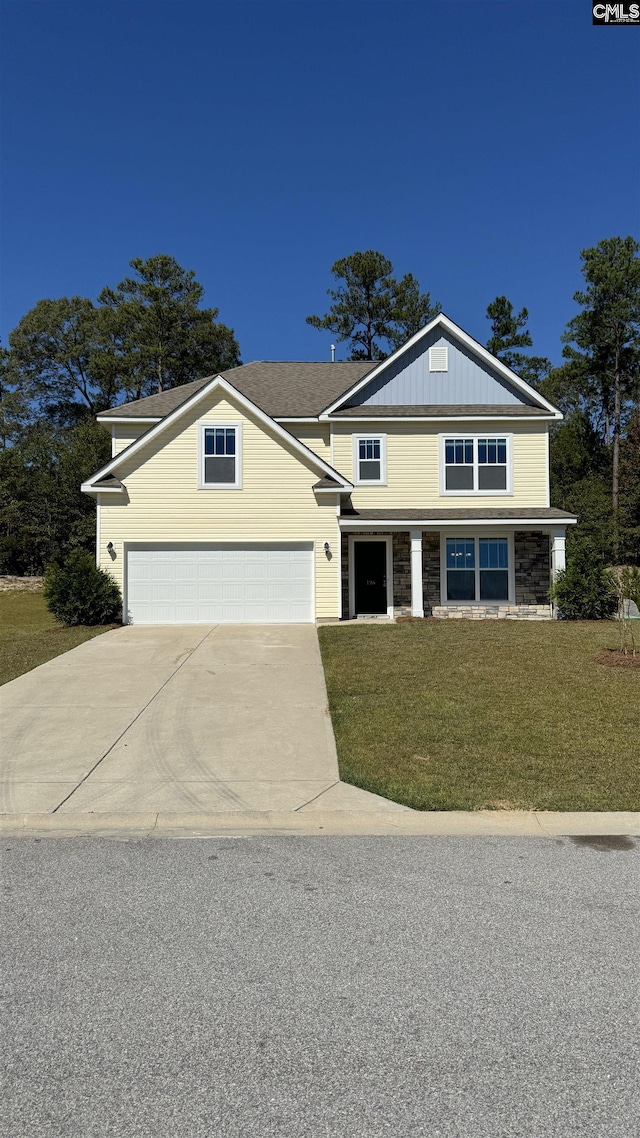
478	145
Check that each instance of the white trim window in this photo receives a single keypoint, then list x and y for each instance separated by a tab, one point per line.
477	570
370	460
220	459
475	464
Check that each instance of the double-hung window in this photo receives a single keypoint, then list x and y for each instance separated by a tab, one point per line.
459	458
492	464
369	459
220	456
476	465
477	569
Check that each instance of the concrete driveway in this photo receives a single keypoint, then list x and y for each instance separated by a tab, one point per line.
177	718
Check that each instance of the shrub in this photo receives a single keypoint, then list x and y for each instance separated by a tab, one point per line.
584	590
77	592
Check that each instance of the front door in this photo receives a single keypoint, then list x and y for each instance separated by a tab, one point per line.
370	572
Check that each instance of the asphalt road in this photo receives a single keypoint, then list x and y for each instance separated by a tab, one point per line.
291	986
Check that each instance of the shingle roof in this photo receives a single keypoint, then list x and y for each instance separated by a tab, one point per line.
508	410
280	389
109	482
538	513
327	483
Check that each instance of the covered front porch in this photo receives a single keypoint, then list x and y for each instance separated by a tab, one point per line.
461	564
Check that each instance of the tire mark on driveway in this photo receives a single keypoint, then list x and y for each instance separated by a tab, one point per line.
134	720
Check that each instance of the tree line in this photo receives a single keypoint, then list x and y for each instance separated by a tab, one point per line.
69	359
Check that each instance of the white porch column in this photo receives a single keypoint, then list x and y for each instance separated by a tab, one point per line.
558	554
417	602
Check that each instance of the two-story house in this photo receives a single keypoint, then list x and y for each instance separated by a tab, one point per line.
279	492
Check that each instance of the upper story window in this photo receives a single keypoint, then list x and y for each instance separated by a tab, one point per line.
476	465
220	456
370	459
492	464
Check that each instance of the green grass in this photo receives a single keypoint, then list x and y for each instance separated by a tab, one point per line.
30	636
455	715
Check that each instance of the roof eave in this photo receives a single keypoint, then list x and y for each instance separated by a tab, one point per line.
129	418
455	331
89	488
246	403
346	522
336	418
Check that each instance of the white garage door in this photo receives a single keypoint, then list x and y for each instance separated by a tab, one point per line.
214	584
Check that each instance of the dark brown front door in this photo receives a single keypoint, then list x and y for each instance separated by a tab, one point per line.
370	573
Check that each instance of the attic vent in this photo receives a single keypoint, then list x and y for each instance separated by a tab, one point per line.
438	359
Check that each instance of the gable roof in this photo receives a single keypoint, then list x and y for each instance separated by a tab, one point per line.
308	389
204	388
280	389
464	338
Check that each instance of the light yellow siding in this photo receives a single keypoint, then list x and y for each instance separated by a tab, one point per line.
413	465
316	436
276	502
125	433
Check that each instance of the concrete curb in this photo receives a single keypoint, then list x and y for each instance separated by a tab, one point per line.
487	823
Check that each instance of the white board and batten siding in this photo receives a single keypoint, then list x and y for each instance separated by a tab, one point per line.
218	584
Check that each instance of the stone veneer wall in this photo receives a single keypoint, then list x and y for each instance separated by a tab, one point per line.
401	574
532	577
430	571
344	557
402	570
532	568
493	612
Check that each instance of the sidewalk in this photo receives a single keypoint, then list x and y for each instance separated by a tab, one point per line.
251	823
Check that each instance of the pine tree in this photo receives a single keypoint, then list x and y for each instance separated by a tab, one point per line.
372	310
602	348
508	333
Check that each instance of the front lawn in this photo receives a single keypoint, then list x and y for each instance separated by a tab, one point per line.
459	715
30	636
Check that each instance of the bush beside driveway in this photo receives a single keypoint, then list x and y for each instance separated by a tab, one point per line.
456	715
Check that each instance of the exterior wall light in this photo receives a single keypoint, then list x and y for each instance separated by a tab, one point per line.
327	547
